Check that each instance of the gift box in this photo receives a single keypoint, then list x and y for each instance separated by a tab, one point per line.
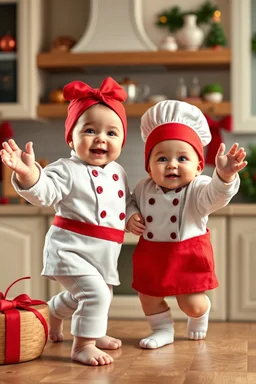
23	327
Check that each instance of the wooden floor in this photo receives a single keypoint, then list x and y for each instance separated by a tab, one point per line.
227	356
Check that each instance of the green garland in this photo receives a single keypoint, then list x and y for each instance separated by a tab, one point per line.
173	18
248	175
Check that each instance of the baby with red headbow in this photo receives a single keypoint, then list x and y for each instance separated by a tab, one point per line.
89	192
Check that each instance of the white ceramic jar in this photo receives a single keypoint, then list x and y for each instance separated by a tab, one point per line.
190	36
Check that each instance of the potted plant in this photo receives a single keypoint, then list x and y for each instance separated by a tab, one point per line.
213	92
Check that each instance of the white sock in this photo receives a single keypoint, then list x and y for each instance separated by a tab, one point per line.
163	331
197	326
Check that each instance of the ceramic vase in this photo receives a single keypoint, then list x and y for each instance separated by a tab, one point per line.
190	36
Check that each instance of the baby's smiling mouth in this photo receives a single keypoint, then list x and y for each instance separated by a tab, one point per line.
98	151
172	176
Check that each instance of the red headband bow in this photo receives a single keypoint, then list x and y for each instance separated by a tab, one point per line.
82	96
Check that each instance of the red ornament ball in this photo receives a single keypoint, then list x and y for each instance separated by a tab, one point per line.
7	43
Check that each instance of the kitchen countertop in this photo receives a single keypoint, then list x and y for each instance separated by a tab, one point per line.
29	210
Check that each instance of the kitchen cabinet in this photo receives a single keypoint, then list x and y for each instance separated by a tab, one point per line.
243	72
22	241
20	94
242	267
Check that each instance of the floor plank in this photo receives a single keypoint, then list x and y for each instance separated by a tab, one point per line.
226	356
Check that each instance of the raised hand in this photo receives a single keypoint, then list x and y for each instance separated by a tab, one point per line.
21	162
229	164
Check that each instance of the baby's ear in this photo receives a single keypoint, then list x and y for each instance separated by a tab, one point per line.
199	168
70	143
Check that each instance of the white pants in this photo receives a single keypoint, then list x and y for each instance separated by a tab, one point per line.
86	300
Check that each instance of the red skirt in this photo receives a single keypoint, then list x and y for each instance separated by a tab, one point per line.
174	268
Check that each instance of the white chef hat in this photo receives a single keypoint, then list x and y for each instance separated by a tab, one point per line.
174	120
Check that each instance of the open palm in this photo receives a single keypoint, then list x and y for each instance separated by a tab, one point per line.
21	162
229	164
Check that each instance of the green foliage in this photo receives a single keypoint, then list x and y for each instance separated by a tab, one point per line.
174	16
174	19
215	36
254	43
248	175
212	88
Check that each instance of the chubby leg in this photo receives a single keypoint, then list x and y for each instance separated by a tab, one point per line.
108	342
89	319
197	306
62	306
159	316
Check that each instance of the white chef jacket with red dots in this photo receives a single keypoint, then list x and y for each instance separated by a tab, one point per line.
86	193
182	213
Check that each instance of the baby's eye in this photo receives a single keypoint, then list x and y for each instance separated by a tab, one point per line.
111	133
182	158
89	130
162	159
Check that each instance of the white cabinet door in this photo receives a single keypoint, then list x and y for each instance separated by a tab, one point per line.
242	261
28	30
243	66
22	240
128	306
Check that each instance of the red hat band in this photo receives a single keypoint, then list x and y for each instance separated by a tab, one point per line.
173	131
82	97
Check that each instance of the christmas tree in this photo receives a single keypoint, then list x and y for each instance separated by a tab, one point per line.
216	36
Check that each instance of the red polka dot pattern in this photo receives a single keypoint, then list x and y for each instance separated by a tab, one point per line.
122	216
103	214
99	190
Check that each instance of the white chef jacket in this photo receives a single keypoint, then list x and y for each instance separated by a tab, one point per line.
71	186
182	213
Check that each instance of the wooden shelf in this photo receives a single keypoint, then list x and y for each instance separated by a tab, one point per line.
8	56
204	58
55	111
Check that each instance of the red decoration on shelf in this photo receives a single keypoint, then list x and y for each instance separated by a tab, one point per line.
7	43
12	321
215	128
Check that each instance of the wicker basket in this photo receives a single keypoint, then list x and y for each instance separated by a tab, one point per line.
32	335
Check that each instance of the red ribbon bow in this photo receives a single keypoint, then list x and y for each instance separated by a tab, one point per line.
82	97
215	128
109	89
12	321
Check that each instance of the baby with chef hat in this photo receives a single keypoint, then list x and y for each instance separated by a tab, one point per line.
174	255
89	192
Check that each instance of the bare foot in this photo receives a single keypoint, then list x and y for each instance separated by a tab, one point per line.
107	342
89	354
55	329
